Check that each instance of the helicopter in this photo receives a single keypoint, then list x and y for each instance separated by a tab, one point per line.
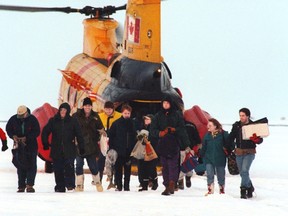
132	72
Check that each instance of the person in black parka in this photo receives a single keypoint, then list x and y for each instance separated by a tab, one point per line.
91	127
64	130
168	125
122	138
24	129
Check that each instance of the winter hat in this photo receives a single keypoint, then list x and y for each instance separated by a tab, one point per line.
168	99
65	106
109	104
21	110
87	101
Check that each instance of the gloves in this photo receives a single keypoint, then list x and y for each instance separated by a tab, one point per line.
46	146
256	139
81	151
225	151
163	133
196	149
15	139
171	130
4	145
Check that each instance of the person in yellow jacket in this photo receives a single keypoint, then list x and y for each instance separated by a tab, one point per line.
107	117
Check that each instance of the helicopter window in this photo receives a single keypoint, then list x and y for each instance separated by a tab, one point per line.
168	70
115	70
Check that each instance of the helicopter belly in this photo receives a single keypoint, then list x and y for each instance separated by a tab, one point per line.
133	80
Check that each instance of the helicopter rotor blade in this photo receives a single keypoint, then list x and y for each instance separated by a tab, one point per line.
38	9
88	10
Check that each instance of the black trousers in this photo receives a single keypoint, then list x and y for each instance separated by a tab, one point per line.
122	163
147	170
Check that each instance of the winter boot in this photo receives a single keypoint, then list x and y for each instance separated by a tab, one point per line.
171	187
79	183
250	191
119	187
188	181
155	184
21	190
30	189
166	192
243	192
221	189
144	185
210	189
176	188
181	184
96	179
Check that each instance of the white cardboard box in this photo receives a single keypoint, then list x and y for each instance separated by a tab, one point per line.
260	129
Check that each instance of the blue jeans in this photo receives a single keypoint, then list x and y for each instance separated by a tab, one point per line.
244	163
92	164
220	172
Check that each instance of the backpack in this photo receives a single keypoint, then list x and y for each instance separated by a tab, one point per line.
232	165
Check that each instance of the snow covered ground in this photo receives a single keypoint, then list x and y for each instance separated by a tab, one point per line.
269	175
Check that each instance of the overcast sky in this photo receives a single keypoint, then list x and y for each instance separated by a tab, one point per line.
223	54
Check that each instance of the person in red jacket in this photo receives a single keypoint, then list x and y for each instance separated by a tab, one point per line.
4	140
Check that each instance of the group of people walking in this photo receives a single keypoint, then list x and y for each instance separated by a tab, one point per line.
76	138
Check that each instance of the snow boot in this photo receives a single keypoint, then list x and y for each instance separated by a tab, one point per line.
30	189
250	191
96	179
119	187
188	181
181	184
243	192
155	184
21	190
171	187
166	192
210	189
221	189
70	189
79	183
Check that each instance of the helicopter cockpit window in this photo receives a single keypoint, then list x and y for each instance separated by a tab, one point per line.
115	70
168	70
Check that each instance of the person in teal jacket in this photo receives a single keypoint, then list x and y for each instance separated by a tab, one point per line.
214	153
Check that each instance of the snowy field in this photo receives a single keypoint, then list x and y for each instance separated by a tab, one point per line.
269	175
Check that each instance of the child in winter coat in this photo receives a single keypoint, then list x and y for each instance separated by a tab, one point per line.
122	138
214	153
147	169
